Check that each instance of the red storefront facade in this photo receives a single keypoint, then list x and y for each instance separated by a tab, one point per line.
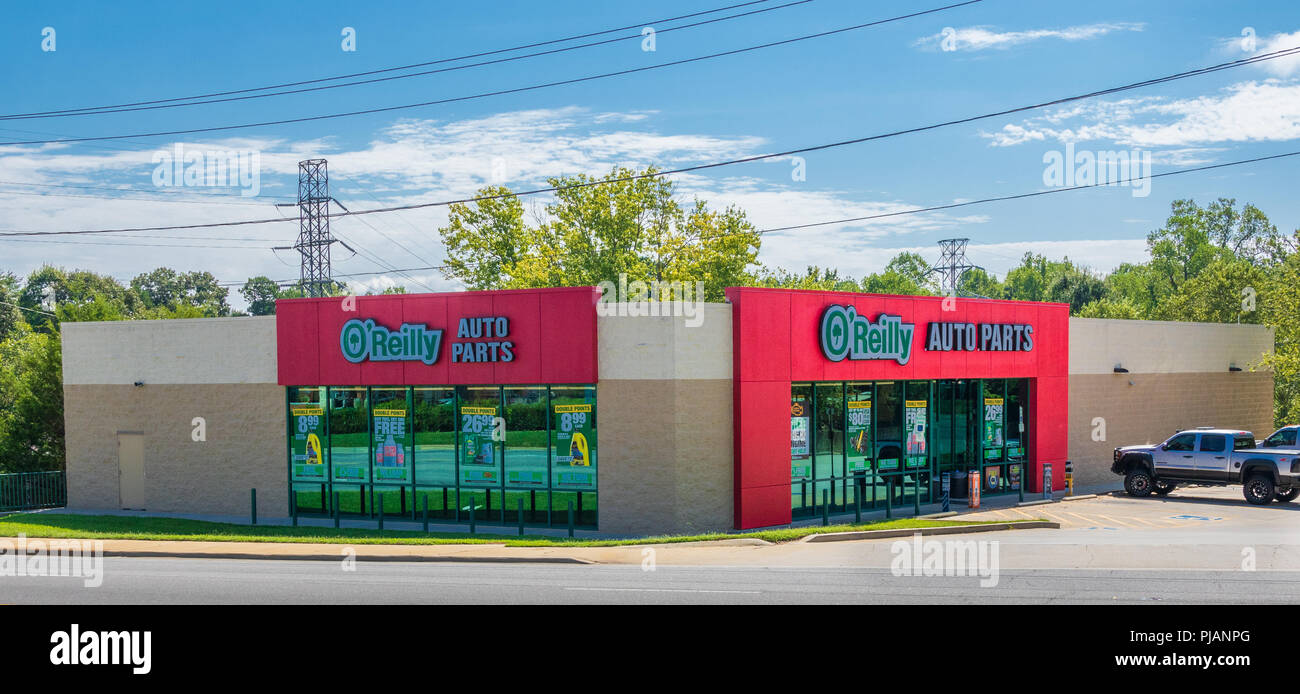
776	343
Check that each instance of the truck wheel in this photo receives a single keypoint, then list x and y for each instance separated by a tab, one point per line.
1138	482
1258	490
1162	488
1288	495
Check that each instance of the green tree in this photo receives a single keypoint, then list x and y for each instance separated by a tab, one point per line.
11	315
906	273
595	230
31	402
260	292
166	288
979	283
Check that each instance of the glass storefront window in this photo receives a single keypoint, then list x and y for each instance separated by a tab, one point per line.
801	471
390	435
478	407
308	454
889	426
434	415
462	448
573	438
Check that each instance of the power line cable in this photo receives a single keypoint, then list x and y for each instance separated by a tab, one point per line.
107	110
500	92
401	67
713	165
921	210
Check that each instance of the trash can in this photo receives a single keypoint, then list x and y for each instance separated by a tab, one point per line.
959	485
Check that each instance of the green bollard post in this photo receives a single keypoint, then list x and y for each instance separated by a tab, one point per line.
857	506
253	504
337	513
426	513
889	499
916	494
1021	487
471	514
570	518
520	513
293	507
826	509
380	508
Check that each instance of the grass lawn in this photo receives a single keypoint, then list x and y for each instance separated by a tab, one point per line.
53	525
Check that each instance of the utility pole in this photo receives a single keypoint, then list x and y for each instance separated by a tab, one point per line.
314	238
952	265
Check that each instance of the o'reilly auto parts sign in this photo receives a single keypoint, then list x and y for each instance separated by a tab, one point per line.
844	333
847	335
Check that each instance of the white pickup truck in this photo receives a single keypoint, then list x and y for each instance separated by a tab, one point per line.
1211	456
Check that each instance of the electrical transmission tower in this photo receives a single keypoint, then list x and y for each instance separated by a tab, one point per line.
314	238
952	265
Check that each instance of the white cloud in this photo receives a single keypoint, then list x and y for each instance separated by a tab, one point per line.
1267	111
1249	44
979	38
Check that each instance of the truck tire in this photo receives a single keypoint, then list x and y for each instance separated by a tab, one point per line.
1288	495
1138	482
1258	489
1162	488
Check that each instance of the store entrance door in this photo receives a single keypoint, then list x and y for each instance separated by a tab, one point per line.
957	426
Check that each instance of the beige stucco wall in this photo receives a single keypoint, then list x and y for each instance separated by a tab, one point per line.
1097	346
664	404
1178	378
220	369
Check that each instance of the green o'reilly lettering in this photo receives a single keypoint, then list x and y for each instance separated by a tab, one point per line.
844	333
365	340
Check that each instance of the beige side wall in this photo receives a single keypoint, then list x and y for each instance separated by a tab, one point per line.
664	403
244	447
1178	378
1097	346
198	350
220	369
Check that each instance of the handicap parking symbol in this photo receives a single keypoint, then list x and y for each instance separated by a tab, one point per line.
1186	516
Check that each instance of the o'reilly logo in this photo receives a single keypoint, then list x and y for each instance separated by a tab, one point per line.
844	333
361	340
77	647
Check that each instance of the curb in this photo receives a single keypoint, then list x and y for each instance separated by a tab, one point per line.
1036	502
1080	496
946	530
941	514
339	557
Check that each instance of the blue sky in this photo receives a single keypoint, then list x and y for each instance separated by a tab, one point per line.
868	81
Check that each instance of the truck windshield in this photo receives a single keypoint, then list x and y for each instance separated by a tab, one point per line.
1242	443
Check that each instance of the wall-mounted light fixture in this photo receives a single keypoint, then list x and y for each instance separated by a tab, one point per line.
1234	368
138	383
1120	370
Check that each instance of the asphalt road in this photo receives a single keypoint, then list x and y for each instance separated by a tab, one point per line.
219	581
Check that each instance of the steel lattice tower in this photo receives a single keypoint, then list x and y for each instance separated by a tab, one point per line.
314	238
952	265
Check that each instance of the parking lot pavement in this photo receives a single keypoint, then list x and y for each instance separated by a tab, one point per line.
1188	507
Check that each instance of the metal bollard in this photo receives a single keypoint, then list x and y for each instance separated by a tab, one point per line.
826	509
337	513
916	493
472	520
570	518
1047	480
889	498
253	503
380	508
293	507
520	513
857	506
426	513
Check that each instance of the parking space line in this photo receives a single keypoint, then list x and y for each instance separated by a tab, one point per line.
1085	519
1062	521
1118	522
